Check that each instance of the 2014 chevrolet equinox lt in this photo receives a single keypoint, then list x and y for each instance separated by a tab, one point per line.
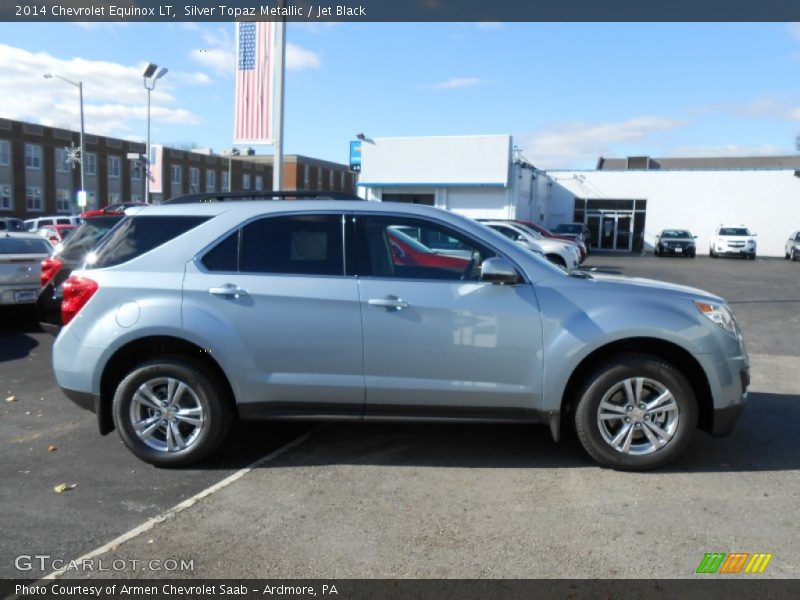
188	315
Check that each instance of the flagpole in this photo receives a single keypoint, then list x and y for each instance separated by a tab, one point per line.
280	65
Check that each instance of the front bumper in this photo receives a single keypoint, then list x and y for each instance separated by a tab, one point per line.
725	251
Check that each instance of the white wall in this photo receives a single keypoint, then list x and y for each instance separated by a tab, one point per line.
766	201
473	159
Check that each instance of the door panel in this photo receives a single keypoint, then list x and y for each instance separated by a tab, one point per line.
439	342
292	338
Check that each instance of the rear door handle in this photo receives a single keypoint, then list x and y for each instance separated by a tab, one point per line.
228	290
389	303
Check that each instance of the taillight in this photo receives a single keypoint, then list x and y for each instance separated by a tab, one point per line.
50	266
77	291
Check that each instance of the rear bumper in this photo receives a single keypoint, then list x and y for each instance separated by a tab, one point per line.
7	292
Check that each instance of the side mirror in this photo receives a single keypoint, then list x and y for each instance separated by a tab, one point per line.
694	236
500	271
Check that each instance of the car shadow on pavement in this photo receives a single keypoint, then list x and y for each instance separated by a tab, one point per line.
765	439
15	323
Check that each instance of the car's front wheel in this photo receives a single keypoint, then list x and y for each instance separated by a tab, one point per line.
635	412
794	255
171	413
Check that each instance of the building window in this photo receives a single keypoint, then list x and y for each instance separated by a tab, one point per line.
33	156
331	184
341	180
91	164
5	153
136	171
33	198
113	198
62	166
211	180
6	202
225	180
177	174
194	178
245	181
90	201
306	177
113	167
259	183
62	201
137	198
318	185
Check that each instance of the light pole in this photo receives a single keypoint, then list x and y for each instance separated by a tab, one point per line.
79	85
231	153
149	78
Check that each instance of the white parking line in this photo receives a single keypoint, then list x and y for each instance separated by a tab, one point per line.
150	523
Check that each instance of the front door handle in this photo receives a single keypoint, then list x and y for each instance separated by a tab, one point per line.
228	290
389	303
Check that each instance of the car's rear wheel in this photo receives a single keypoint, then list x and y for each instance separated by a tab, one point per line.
635	412
794	256
169	412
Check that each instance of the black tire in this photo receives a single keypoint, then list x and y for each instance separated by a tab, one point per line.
752	256
602	380
794	255
692	253
206	390
711	253
656	251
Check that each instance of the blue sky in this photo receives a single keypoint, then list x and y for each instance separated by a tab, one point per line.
566	92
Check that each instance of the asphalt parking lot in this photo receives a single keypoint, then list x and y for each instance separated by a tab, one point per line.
421	500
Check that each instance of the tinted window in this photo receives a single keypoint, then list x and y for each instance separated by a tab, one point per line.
299	245
797	238
569	228
734	231
440	253
137	235
10	245
508	232
87	236
224	256
675	234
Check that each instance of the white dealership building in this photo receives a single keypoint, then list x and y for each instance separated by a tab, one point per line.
624	201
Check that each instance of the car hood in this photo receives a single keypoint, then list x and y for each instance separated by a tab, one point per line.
735	238
640	285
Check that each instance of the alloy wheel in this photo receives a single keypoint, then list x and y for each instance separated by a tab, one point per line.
166	414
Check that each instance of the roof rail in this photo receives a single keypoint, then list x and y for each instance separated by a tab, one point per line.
263	195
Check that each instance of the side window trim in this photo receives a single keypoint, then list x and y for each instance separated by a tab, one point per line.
239	230
469	237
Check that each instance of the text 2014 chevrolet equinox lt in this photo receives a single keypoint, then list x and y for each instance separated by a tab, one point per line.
188	315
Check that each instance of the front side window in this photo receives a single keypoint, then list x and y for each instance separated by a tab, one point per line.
289	245
33	198
33	156
113	166
510	233
403	248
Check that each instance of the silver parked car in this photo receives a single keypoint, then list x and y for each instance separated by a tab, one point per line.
21	256
188	315
559	252
792	247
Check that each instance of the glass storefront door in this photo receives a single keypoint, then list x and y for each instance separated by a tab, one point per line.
611	230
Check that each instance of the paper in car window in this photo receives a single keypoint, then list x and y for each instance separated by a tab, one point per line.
309	245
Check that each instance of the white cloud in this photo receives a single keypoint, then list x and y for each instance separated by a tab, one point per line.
114	99
571	144
219	53
454	83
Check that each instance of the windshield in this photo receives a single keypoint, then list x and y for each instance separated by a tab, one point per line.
86	236
734	231
675	233
569	228
530	231
11	245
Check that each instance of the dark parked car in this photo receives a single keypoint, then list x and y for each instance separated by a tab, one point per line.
677	242
575	230
12	224
59	266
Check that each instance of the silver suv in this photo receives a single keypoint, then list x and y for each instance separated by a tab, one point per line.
189	315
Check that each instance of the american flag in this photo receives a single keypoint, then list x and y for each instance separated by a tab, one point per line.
253	106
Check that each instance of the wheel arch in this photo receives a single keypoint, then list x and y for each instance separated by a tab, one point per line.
667	351
142	349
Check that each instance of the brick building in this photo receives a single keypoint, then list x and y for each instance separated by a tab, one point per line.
36	180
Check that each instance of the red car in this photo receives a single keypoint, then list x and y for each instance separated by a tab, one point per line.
408	251
56	233
568	238
111	209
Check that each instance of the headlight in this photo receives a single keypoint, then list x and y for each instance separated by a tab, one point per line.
751	242
720	314
797	246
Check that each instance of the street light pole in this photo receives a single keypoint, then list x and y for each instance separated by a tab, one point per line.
149	79
79	85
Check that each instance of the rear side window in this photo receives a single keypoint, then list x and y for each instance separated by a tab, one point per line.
290	245
137	235
10	245
87	236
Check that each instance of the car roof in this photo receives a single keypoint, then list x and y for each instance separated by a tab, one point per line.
22	235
